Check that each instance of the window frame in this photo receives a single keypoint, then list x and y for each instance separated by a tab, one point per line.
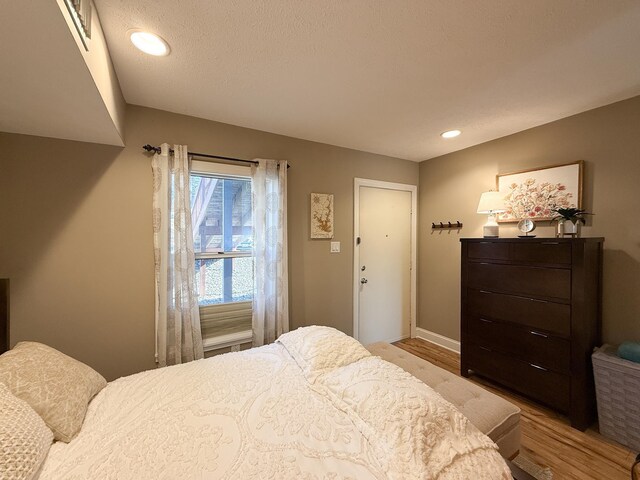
214	169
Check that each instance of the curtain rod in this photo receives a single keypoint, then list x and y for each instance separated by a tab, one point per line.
150	148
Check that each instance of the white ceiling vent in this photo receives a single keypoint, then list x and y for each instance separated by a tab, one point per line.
81	13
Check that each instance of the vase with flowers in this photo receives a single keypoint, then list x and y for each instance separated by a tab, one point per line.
569	220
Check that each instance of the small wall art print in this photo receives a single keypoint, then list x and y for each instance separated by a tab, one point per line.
536	193
321	215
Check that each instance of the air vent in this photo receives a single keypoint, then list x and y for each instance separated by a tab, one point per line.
80	11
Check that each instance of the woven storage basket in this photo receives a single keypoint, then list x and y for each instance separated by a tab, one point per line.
618	395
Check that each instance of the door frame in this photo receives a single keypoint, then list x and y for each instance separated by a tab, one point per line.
413	189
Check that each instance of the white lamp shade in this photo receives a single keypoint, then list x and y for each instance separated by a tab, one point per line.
491	202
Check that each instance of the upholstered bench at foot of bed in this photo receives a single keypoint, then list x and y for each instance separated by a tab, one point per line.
491	414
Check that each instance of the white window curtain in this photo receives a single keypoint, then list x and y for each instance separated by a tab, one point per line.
271	285
178	335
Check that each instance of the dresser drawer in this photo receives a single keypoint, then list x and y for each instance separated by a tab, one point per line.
554	283
534	381
529	345
536	314
547	253
488	250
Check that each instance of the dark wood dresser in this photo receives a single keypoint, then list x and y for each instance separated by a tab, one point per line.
531	316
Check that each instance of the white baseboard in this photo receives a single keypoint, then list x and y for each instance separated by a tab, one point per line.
438	339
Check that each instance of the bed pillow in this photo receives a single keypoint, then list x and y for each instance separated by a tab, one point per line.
56	386
320	349
24	438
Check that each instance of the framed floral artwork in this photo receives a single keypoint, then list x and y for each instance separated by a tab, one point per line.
535	193
321	215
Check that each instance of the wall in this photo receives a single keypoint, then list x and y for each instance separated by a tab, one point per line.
76	236
608	140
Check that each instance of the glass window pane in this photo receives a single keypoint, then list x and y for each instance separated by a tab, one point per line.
221	214
223	280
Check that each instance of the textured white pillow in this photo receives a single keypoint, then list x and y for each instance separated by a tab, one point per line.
56	386
24	438
319	349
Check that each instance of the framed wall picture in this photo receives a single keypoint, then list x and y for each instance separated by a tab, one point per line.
535	193
321	215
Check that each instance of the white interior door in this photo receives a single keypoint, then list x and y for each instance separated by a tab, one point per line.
384	256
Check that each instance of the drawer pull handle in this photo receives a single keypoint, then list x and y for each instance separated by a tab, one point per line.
537	300
539	334
550	243
485	348
538	367
485	320
485	291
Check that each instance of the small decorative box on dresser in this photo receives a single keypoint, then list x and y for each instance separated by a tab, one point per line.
531	316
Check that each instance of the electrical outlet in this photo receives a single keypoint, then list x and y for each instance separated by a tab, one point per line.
235	348
335	247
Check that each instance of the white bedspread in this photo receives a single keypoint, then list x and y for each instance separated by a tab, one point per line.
258	414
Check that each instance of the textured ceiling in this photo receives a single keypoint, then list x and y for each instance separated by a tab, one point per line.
382	76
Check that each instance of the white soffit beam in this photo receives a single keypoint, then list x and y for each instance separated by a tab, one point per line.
49	85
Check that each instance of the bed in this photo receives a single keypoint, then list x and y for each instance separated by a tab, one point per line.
313	405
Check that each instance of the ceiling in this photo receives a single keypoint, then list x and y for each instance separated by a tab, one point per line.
380	76
46	88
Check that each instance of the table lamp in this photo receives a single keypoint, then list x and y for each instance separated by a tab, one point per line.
491	203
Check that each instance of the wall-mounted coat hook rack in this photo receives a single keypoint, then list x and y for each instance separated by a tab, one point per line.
457	224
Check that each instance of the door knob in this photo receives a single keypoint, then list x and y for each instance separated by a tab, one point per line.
363	280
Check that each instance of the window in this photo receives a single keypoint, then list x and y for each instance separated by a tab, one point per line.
222	222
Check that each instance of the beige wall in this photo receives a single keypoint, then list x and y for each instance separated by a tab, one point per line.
608	140
76	238
75	234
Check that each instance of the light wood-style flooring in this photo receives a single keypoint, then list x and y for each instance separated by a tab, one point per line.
547	438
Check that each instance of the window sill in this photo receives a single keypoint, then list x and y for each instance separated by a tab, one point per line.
228	340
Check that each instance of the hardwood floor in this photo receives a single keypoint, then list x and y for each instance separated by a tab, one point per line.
547	437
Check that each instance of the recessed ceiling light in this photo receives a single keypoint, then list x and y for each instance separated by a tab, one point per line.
450	133
149	43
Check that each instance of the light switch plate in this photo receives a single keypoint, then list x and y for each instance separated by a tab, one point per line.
335	247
